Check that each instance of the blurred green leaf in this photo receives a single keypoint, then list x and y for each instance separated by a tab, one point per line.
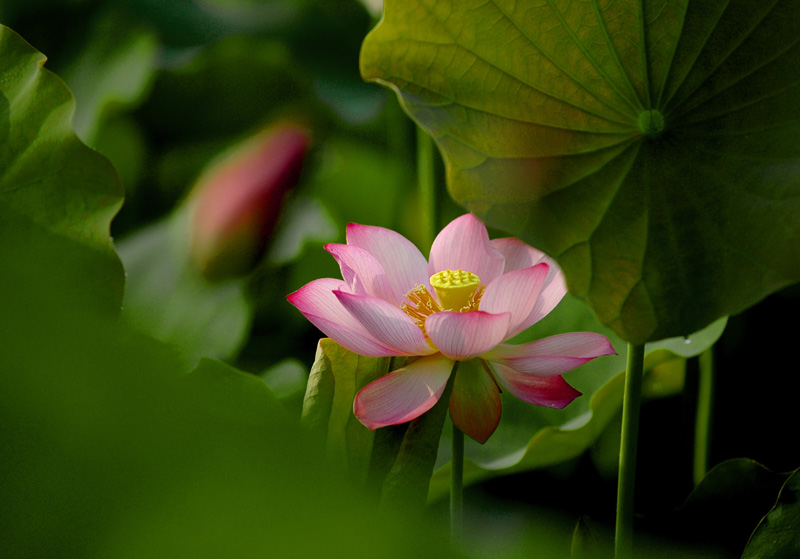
231	395
190	23
286	379
116	452
57	196
304	221
584	542
122	140
168	298
348	169
651	148
114	70
778	534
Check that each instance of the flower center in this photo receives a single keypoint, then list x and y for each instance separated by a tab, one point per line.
457	290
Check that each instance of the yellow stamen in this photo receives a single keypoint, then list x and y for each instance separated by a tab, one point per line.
458	290
421	306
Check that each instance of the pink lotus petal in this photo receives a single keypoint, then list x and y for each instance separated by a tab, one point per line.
552	392
464	244
464	335
519	255
403	263
553	291
404	394
516	292
386	323
475	405
554	355
317	302
362	272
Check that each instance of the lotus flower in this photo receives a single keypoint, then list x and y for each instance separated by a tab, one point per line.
239	198
461	305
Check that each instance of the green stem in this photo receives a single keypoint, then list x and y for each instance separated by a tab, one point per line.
631	403
457	486
426	177
705	402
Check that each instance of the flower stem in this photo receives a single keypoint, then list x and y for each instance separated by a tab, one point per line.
426	177
457	486
631	403
705	402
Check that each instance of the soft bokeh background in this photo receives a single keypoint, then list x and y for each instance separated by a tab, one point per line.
96	460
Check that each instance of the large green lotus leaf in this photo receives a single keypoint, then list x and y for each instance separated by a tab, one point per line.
652	148
57	196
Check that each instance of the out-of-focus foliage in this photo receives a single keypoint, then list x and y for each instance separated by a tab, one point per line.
112	450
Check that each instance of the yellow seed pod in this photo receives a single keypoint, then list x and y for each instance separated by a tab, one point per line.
455	288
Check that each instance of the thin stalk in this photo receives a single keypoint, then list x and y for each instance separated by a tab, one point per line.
426	178
705	403
457	486
631	404
399	143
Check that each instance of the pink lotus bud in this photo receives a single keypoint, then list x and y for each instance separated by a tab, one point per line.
237	200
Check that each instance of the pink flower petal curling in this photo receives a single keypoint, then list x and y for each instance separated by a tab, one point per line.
317	302
554	355
464	335
475	405
362	272
516	292
519	255
464	244
551	392
403	263
386	323
404	394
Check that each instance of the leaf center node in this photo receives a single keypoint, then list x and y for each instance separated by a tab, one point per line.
651	123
